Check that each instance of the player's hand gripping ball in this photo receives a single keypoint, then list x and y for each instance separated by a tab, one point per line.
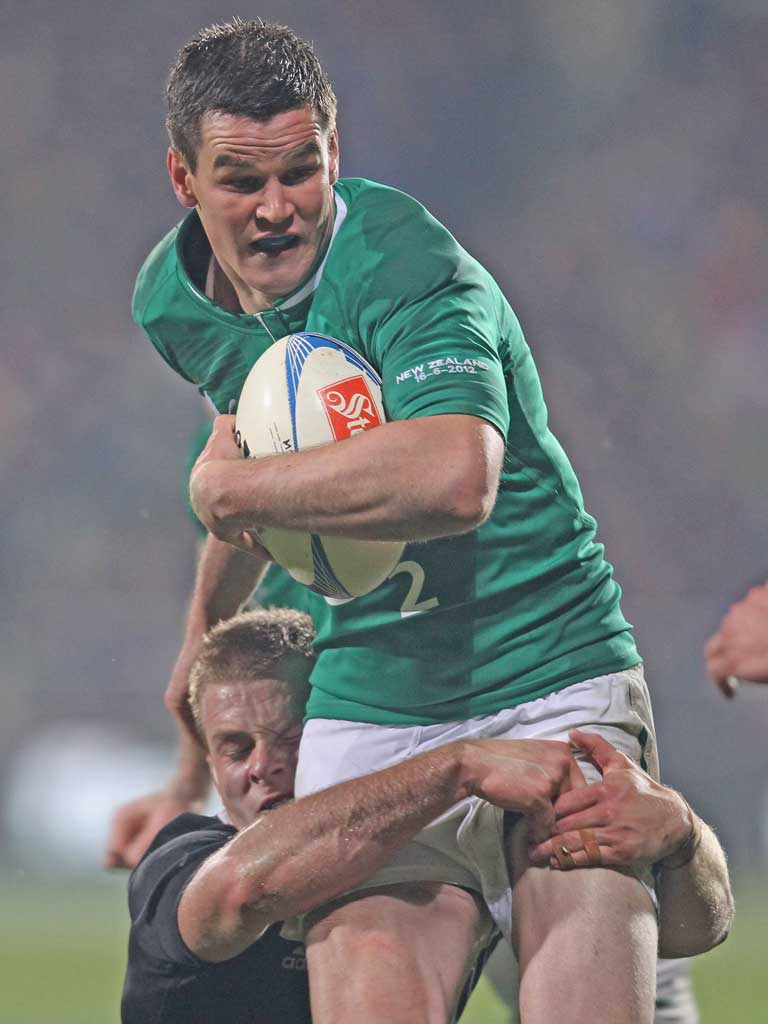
305	391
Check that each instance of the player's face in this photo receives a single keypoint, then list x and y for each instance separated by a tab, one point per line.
263	193
252	730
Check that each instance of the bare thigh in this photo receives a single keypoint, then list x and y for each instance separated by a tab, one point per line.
397	954
585	941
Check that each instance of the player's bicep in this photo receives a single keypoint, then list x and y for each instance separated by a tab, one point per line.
440	357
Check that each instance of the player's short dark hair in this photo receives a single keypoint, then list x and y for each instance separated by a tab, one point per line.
248	69
253	646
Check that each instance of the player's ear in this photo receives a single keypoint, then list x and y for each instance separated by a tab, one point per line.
333	156
180	178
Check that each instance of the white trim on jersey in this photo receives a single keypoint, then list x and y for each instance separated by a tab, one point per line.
312	283
210	278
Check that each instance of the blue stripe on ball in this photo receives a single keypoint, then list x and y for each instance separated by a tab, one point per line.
326	582
353	357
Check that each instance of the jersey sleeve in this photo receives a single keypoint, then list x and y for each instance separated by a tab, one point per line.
148	296
156	887
433	317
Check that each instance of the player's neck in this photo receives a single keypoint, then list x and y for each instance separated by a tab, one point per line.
235	297
223	292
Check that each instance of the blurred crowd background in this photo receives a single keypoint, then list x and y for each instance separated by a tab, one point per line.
605	158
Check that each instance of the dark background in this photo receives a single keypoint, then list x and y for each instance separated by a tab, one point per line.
605	159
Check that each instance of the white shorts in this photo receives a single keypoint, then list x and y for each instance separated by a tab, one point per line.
465	845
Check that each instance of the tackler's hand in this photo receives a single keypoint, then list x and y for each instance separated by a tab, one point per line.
624	819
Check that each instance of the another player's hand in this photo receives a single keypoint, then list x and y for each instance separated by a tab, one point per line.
524	776
739	648
136	824
633	818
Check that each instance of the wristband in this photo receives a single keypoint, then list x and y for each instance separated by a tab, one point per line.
687	851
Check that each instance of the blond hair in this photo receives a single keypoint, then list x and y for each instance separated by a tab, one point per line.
247	648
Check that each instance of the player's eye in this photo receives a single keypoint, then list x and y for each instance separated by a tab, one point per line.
298	174
244	184
236	751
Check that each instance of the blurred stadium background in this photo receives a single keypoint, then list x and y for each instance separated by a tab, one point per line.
606	159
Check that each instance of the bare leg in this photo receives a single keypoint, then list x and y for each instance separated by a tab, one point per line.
396	954
586	943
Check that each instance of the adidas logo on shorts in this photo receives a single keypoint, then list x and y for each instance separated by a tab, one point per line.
297	961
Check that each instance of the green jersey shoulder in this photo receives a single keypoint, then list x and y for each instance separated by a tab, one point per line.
522	606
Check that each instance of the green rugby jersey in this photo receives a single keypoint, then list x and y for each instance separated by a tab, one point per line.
518	608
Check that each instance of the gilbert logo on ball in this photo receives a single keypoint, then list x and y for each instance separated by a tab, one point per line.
309	390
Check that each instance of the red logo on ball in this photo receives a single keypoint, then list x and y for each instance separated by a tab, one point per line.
349	406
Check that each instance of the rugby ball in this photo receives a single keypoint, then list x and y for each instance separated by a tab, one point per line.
305	391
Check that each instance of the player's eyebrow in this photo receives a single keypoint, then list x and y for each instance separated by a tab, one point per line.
228	160
239	163
226	736
308	149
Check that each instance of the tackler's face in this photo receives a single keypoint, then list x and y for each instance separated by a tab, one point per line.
263	191
252	730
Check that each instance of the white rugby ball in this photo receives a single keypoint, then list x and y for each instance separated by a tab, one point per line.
305	391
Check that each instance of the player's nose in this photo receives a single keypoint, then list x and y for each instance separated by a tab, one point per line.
263	763
274	204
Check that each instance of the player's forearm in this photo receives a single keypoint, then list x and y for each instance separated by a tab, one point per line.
695	900
301	855
191	779
225	579
409	480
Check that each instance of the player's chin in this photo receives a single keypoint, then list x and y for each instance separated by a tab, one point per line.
281	273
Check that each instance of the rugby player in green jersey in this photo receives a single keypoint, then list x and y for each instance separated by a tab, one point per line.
502	620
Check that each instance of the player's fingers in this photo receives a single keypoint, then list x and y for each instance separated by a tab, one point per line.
719	667
565	851
138	848
112	857
249	541
714	645
578	799
223	421
116	854
599	751
582	860
592	817
541	819
122	832
576	778
727	685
